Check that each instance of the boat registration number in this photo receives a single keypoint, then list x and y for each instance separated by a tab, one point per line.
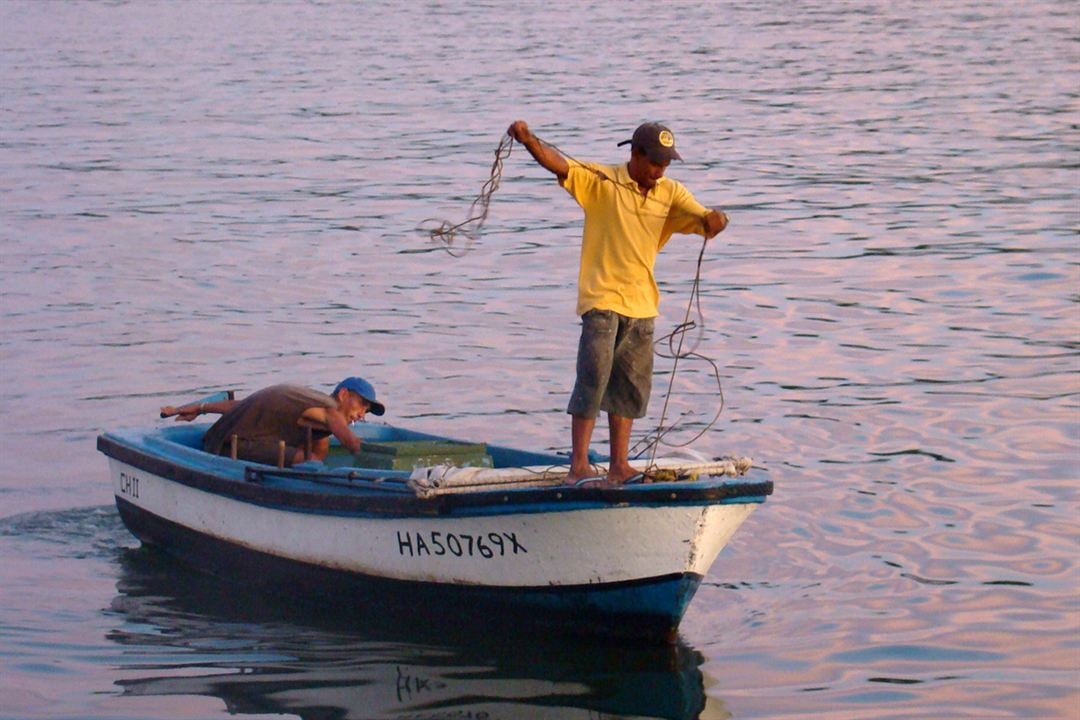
129	485
435	542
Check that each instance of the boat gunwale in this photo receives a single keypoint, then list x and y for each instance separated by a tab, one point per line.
391	497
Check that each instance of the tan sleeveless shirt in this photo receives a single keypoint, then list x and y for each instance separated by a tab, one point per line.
270	414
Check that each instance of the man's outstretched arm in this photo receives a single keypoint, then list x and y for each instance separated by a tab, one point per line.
547	156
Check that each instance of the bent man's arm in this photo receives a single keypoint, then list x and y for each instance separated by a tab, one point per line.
547	156
189	412
339	427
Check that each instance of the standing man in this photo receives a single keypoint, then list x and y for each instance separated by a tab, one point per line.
631	210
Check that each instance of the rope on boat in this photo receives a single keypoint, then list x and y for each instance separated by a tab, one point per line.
447	479
653	439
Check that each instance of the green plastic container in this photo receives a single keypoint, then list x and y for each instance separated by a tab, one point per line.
408	454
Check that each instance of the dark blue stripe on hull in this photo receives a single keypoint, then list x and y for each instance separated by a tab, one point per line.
649	609
320	493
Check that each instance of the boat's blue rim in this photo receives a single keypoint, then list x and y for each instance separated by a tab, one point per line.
394	500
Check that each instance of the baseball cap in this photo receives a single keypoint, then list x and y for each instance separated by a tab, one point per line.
656	141
364	389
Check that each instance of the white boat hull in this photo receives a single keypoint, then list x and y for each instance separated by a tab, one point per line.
558	547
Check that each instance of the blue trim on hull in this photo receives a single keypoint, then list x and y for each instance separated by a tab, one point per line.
649	609
334	494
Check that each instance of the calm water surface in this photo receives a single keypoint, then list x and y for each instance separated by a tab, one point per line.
203	195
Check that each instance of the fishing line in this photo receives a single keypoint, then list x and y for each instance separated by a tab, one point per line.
446	235
652	440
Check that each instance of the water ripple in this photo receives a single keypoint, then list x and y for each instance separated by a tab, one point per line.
207	195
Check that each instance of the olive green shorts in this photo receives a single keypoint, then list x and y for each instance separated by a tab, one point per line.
614	365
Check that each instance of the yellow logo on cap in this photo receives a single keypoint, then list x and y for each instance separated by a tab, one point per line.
666	139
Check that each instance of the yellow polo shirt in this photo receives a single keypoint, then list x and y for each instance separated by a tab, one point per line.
624	230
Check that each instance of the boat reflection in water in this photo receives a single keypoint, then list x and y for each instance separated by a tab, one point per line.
187	634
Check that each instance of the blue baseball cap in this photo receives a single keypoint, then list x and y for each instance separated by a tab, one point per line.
364	389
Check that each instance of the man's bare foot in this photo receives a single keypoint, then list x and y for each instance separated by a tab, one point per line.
618	474
576	475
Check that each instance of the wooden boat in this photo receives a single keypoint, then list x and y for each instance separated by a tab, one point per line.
505	532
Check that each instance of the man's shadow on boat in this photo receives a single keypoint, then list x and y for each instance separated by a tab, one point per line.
190	633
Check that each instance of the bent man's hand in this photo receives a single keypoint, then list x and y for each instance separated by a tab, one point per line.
181	414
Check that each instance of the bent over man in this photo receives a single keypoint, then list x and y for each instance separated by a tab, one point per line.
284	412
